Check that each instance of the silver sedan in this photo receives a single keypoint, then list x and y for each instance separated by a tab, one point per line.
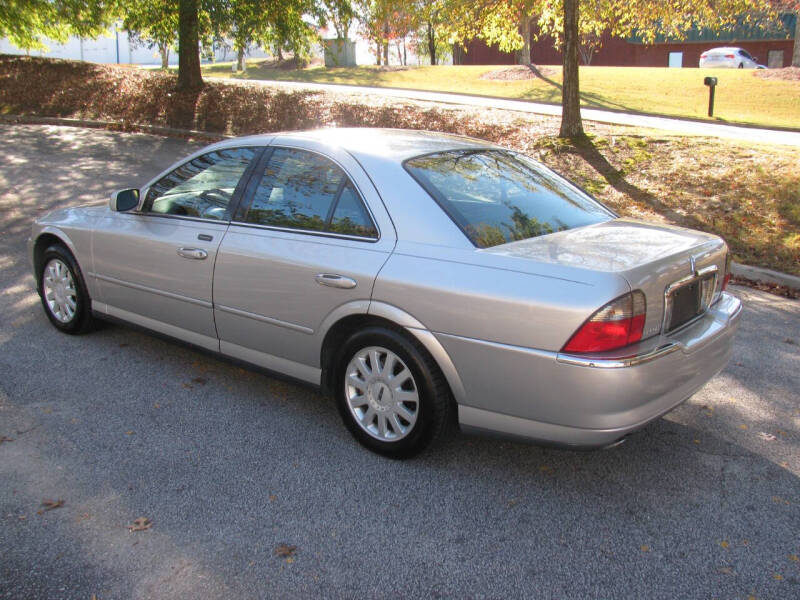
419	278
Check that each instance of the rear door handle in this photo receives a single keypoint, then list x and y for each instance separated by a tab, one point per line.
336	281
195	253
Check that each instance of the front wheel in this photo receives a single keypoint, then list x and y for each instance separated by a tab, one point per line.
741	65
63	291
390	393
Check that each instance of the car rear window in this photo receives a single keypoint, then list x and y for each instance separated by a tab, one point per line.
497	196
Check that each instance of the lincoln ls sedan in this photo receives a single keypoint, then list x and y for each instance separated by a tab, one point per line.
417	278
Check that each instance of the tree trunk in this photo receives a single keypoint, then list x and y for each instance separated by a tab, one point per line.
164	50
796	51
189	75
386	43
378	53
524	55
405	58
571	125
240	64
432	43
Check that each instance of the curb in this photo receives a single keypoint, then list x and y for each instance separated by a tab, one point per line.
110	125
765	276
758	274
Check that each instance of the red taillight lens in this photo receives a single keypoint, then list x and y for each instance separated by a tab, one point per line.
703	55
729	56
617	324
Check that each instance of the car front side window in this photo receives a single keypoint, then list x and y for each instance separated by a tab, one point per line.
202	187
304	190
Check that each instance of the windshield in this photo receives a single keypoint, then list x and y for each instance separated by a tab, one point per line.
497	196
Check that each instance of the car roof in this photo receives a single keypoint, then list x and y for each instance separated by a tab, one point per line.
395	145
724	49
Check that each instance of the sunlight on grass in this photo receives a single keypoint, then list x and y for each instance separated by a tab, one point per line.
742	97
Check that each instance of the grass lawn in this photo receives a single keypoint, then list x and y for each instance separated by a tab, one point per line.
741	97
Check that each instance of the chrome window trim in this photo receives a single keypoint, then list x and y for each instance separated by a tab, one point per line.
350	179
695	275
222	222
315	233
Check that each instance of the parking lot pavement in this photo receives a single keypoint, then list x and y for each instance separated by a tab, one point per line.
255	489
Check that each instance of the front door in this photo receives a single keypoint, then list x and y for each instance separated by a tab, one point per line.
155	266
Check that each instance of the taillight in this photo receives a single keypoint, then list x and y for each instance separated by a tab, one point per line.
727	277
704	56
729	56
617	324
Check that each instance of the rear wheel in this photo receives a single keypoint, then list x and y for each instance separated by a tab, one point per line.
63	291
741	65
390	393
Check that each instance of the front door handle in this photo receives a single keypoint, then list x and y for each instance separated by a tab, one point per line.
195	253
336	281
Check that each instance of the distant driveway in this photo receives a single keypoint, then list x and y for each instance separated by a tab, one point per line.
255	490
684	126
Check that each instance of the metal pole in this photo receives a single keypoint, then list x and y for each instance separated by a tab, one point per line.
117	34
711	90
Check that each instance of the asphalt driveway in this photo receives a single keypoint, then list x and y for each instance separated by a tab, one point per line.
255	489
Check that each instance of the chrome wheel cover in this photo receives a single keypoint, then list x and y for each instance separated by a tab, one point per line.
381	394
59	290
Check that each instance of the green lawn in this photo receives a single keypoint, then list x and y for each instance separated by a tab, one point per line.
742	96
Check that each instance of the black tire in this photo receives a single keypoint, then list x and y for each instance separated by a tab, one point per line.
741	65
81	321
435	403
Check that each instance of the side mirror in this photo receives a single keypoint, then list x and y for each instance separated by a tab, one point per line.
124	200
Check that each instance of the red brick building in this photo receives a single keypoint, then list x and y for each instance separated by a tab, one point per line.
771	48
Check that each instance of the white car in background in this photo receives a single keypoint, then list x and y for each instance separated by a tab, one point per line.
731	58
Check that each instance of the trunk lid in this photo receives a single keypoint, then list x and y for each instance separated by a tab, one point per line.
650	257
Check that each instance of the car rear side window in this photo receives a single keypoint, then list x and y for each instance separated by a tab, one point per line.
304	190
496	196
202	187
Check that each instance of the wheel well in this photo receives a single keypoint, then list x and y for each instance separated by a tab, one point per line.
43	242
343	329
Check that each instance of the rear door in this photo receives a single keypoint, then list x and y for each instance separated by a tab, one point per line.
310	236
154	266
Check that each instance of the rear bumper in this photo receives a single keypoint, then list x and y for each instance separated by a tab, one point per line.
588	401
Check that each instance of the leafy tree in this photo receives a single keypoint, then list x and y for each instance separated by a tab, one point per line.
341	15
26	22
154	23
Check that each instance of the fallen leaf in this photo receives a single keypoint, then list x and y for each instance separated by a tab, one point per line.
697	441
285	551
742	426
5	439
140	524
50	505
726	570
766	436
645	548
545	469
724	544
272	497
777	577
200	380
794	557
130	432
290	560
